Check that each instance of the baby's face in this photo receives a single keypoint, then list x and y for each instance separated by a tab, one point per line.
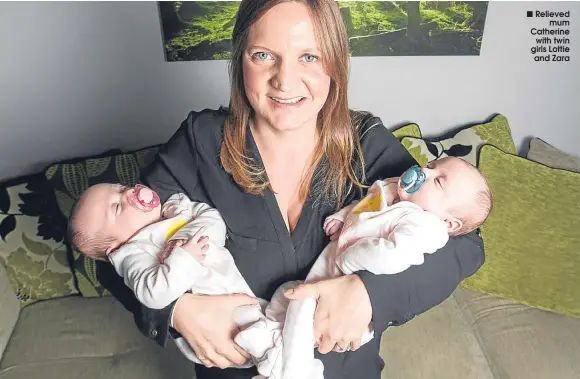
451	183
117	211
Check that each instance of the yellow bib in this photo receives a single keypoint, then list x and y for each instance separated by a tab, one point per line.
369	204
175	225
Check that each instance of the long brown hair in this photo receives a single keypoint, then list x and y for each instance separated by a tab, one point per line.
338	148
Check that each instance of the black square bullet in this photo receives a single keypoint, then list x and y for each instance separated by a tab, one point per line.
530	14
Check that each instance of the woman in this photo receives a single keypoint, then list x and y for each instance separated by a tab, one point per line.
284	156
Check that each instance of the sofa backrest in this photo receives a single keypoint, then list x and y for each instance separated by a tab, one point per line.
9	310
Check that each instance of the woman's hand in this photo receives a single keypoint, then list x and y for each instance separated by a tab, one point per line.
343	311
207	323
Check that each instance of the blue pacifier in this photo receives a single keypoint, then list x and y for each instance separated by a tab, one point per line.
412	179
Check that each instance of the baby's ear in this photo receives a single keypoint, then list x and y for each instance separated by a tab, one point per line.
453	225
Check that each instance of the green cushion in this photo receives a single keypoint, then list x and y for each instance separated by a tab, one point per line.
532	240
410	130
70	179
32	245
464	143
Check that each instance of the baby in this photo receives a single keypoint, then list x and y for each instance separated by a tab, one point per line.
389	230
158	249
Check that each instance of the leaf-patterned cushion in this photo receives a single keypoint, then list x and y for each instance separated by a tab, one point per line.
69	179
464	144
32	245
409	130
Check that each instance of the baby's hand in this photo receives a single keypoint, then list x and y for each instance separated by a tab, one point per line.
196	246
393	192
332	227
169	246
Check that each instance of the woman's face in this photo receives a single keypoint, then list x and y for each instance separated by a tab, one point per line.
284	78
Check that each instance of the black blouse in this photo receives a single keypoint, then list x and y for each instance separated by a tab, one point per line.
268	255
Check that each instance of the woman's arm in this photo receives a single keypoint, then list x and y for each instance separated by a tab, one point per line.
175	166
397	298
152	323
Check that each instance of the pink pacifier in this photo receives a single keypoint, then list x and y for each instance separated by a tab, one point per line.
144	198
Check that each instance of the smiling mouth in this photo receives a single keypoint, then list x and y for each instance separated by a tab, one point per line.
292	100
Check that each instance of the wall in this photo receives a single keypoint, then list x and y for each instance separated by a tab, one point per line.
79	78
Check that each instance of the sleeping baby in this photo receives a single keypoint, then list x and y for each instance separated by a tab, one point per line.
389	230
161	251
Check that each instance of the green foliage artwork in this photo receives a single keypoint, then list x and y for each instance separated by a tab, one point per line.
201	30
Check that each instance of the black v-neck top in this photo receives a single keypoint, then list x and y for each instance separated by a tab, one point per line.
268	255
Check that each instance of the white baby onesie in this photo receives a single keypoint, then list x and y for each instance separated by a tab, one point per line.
377	236
157	284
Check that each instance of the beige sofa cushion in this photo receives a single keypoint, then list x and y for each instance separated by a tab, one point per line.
9	310
436	344
522	342
546	154
94	338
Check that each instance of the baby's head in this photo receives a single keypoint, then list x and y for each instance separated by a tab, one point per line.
456	192
108	215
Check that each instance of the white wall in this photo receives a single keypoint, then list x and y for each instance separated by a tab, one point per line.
79	78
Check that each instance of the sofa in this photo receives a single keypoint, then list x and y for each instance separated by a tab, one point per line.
505	322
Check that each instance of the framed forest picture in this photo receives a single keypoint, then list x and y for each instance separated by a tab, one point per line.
201	30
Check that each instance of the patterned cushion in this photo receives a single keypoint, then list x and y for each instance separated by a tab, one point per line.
69	179
32	247
465	143
410	130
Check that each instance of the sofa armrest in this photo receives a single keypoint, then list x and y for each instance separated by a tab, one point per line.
9	311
